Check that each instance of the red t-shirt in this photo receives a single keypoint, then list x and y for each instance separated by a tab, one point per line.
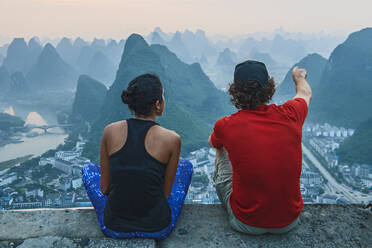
264	147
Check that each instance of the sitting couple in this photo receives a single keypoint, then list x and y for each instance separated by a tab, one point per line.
141	184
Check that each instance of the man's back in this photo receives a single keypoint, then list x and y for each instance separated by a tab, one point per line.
264	147
259	181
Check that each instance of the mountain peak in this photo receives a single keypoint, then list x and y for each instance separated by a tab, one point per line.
313	56
18	45
362	39
200	33
226	58
134	41
112	43
85	80
98	42
49	50
177	36
34	42
365	32
314	64
196	67
158	29
79	42
346	82
51	71
157	39
90	94
18	42
18	56
65	42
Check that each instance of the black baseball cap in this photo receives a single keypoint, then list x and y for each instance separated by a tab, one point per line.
250	70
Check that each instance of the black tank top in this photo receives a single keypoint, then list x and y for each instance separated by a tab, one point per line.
136	201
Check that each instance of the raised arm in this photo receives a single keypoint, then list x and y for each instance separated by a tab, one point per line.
104	161
303	88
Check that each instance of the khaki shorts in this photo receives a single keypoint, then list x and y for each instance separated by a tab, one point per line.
223	182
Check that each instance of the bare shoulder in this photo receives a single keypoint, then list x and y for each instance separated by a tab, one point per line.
166	135
114	127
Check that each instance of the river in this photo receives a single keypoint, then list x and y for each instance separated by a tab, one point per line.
32	145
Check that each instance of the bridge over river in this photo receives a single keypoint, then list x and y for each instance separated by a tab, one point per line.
46	127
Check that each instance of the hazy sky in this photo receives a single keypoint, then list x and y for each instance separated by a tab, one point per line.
118	18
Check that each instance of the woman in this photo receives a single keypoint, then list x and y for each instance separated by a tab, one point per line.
140	187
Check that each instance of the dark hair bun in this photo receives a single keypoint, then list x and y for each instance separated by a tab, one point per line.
130	95
125	97
142	92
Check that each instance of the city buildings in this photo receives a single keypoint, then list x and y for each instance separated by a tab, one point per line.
203	191
8	178
325	141
55	182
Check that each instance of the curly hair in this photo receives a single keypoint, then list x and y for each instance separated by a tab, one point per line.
252	95
142	93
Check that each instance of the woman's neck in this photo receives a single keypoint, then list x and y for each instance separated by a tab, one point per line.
146	118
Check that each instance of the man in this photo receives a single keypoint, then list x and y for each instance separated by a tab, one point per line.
259	155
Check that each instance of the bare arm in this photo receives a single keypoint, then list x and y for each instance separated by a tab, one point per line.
210	141
218	150
170	172
303	88
105	169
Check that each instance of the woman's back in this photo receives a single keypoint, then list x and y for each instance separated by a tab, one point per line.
140	185
136	200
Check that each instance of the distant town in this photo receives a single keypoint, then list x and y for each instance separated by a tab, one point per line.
346	183
54	180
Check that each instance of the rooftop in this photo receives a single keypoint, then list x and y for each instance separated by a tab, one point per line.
198	226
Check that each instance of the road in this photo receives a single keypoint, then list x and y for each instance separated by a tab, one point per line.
333	185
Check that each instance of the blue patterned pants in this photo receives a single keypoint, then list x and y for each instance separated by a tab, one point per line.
91	178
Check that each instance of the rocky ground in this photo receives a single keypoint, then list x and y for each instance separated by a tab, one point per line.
198	226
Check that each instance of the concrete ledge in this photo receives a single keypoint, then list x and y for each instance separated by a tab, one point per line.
199	226
320	226
70	223
62	242
76	227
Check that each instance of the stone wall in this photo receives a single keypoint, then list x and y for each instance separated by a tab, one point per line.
198	226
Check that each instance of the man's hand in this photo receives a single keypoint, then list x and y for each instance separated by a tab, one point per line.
298	74
303	89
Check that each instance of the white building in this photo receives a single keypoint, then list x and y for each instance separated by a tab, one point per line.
79	146
345	170
34	192
80	161
212	155
7	179
367	182
309	177
76	182
66	155
63	166
365	171
350	132
45	161
328	199
64	183
76	170
27	205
